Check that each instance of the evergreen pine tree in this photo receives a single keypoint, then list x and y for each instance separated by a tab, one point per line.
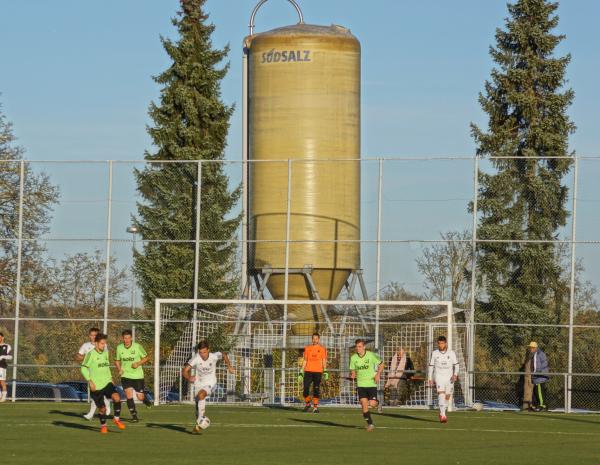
190	123
525	197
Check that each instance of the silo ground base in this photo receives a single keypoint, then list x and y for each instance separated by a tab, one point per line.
259	279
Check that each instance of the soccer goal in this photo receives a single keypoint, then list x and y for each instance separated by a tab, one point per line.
266	348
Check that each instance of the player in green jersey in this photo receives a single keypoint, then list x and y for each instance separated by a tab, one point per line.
366	368
96	370
130	358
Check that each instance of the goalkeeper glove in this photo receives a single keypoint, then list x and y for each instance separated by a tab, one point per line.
325	375
301	376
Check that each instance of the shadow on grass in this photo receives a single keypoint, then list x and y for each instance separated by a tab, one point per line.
68	424
324	423
66	414
169	426
406	417
282	407
74	414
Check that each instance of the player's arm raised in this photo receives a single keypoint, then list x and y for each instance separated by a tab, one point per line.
143	360
228	363
186	372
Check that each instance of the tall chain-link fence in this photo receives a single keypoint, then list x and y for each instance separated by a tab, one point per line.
69	232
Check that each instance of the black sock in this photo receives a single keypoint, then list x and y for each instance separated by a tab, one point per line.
367	417
131	406
117	407
102	417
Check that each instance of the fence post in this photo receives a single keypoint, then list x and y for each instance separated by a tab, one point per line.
568	398
108	245
157	323
286	282
470	391
378	267
18	284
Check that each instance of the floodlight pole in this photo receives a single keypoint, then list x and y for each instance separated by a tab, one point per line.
108	245
378	268
286	279
568	398
245	287
18	284
133	231
470	394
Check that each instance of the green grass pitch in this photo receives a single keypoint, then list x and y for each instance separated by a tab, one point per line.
55	433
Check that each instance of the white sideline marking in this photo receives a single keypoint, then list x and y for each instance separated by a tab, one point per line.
396	428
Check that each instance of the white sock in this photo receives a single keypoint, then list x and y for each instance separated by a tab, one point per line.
92	409
107	404
201	405
442	404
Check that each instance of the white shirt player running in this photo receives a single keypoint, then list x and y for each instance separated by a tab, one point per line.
442	367
205	371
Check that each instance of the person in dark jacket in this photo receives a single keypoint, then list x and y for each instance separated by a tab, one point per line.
539	369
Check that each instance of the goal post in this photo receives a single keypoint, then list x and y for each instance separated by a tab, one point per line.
265	344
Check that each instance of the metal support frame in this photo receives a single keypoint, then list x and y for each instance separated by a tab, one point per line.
356	276
108	246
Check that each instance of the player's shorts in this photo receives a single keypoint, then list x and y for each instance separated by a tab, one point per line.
204	386
444	385
2	374
367	393
106	392
137	385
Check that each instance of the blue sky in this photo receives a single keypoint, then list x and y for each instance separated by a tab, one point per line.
75	78
75	75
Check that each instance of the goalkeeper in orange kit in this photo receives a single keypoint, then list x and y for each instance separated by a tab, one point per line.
314	369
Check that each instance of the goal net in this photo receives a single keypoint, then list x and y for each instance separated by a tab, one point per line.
267	350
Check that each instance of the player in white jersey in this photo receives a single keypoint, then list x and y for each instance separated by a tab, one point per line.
5	354
443	372
84	349
204	379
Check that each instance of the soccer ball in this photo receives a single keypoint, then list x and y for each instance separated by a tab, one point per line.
205	422
478	406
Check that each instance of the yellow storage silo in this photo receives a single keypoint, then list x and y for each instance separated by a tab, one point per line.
304	105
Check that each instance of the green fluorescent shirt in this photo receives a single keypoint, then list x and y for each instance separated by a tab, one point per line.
127	356
96	368
365	368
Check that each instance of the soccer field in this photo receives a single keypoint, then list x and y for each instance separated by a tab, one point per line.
54	433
